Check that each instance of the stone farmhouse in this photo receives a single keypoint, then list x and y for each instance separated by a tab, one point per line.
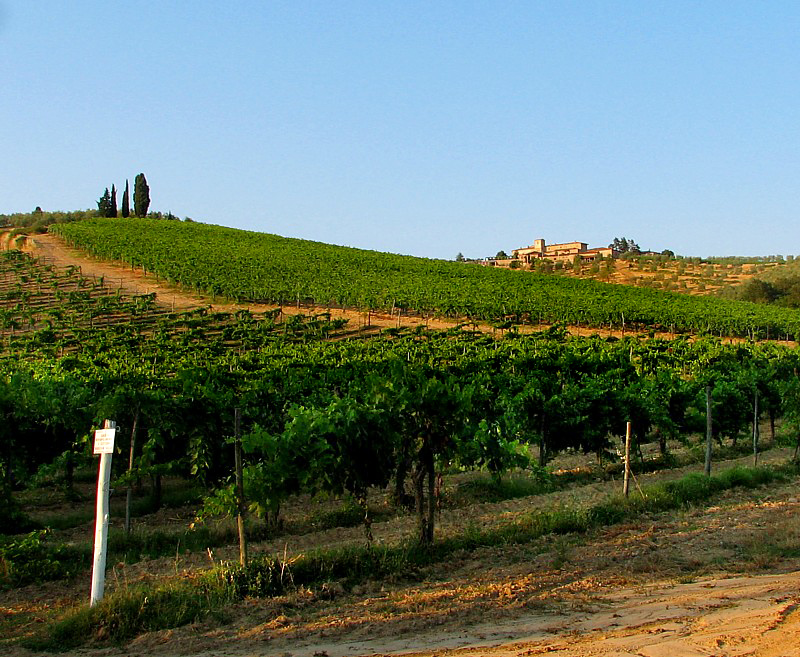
561	252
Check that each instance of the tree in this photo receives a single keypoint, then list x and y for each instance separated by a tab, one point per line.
104	204
141	196
501	255
432	416
624	245
112	210
126	202
460	257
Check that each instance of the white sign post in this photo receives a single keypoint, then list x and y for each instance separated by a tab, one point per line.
103	445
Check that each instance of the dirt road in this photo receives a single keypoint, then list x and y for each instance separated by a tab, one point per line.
722	617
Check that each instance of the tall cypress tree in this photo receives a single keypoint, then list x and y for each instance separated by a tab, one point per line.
126	202
112	210
141	196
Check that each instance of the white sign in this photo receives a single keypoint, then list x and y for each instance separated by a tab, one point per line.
104	441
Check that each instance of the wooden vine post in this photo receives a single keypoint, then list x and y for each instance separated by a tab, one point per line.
709	431
627	477
129	491
755	429
240	504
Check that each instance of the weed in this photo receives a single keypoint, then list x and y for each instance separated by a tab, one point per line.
30	558
61	521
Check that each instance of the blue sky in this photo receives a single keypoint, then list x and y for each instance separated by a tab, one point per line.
428	128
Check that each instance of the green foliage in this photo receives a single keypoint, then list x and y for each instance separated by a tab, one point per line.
107	204
12	519
38	221
623	245
343	416
782	291
30	558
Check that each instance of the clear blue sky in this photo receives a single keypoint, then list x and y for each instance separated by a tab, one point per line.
425	127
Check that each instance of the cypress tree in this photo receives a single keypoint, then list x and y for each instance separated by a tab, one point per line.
141	196
126	202
112	209
104	204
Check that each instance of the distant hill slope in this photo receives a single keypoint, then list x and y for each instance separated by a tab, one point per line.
258	267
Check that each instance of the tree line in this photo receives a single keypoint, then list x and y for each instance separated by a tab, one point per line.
107	203
38	220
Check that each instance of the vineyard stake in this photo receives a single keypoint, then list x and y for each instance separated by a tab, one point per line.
709	431
240	510
755	429
627	478
103	445
129	492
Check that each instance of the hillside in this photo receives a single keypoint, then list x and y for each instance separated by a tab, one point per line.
677	274
516	434
256	267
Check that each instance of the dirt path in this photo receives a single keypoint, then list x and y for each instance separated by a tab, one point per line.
722	617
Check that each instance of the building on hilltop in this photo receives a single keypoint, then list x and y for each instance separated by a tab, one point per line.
562	252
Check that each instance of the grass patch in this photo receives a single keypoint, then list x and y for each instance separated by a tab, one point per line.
126	614
171	498
66	520
486	488
31	558
348	514
123	615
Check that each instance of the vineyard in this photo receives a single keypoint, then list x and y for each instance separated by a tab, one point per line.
256	267
375	425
